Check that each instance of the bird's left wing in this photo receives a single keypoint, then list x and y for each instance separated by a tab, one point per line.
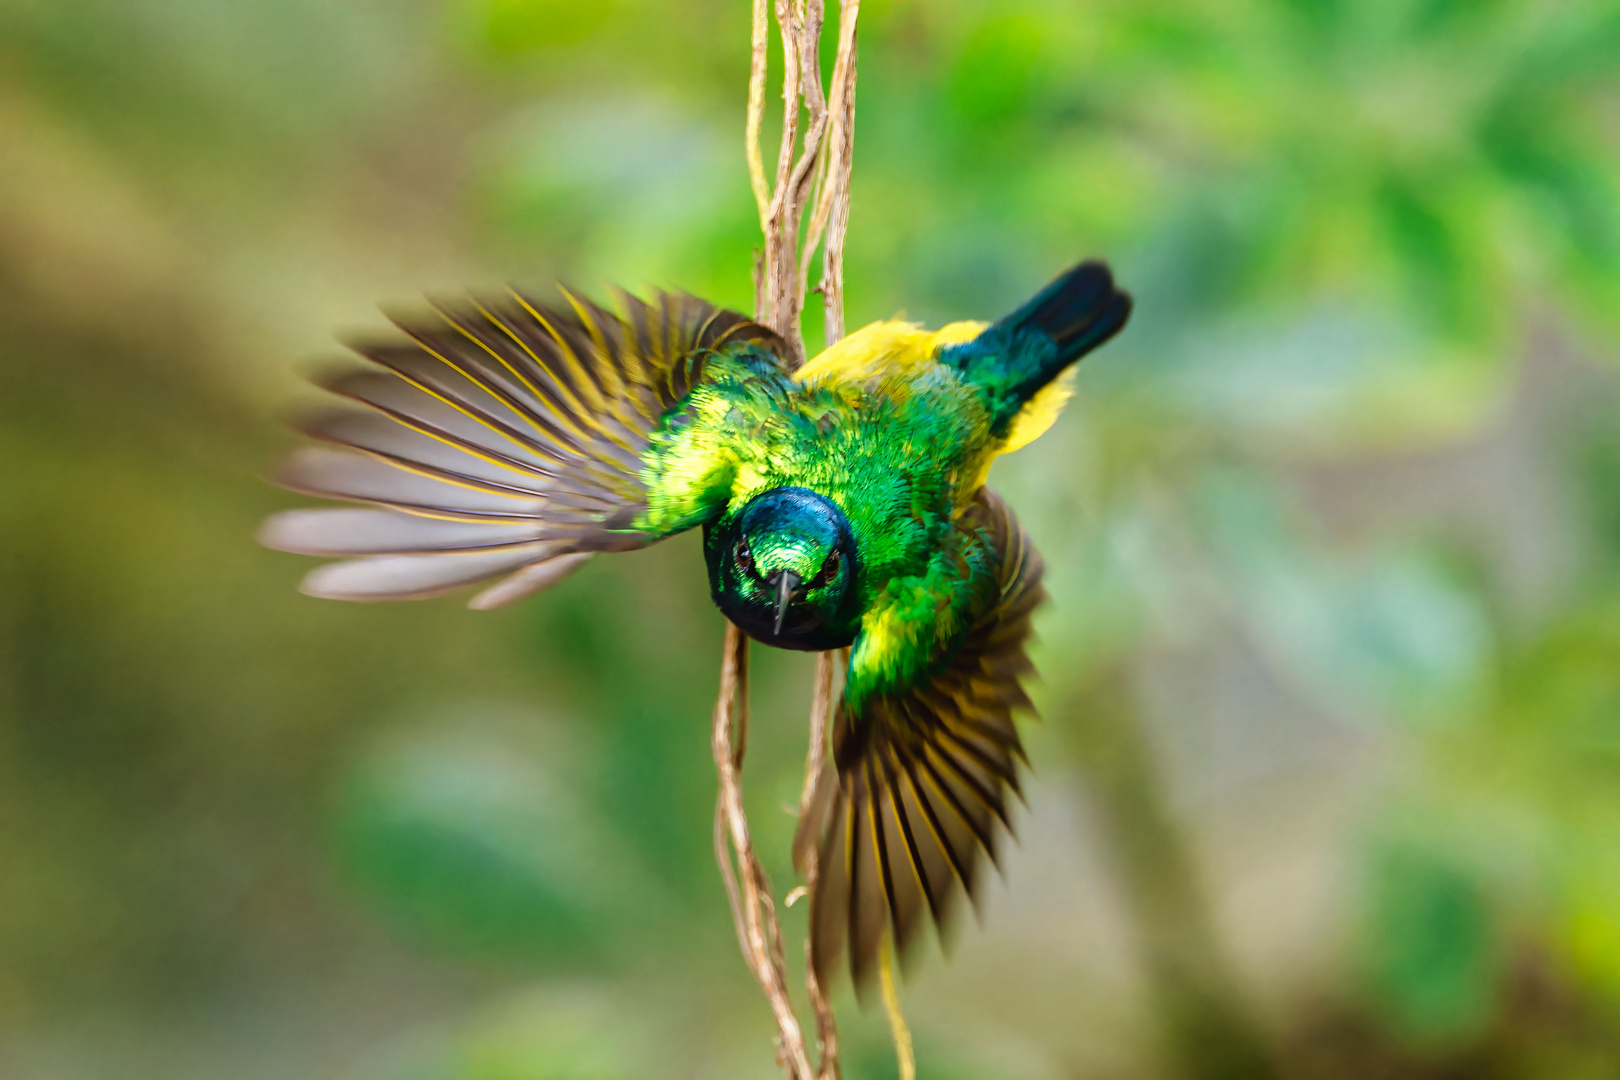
502	442
923	774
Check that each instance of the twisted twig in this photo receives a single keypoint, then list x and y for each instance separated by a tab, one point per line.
820	165
821	707
753	908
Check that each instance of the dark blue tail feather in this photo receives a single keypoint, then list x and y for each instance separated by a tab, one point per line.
1017	356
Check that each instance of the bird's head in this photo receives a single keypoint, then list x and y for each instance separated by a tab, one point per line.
783	569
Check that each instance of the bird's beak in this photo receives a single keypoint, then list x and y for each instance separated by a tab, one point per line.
786	582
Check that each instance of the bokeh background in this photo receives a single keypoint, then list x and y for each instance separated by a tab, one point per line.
1328	782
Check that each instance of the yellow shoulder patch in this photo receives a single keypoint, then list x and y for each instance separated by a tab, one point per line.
868	352
956	333
883	347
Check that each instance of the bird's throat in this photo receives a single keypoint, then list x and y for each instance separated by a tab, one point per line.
798	630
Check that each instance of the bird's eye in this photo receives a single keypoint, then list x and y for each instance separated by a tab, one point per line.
829	570
745	558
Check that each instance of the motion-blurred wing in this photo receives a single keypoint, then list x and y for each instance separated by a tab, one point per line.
923	777
497	441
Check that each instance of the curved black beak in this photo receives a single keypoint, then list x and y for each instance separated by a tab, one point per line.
786	582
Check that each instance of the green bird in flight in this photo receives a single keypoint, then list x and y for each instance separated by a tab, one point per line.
842	501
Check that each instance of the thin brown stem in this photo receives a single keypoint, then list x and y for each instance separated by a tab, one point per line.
753	907
790	21
801	23
815	760
831	211
841	162
812	15
757	71
813	175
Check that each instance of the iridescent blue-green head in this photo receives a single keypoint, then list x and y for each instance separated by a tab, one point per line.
782	567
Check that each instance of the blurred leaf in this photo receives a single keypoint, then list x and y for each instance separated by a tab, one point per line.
1396	636
540	1035
997	76
551	1039
621	186
1432	953
510	28
1327	380
474	841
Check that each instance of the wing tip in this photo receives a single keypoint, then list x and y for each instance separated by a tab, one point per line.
530	580
278	532
317	584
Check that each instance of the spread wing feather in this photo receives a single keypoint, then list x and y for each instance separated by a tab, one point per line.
496	439
923	777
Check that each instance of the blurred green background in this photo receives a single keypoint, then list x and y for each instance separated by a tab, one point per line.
1328	783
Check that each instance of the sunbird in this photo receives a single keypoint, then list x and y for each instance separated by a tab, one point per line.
843	505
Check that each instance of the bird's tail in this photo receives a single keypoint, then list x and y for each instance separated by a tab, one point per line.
1017	356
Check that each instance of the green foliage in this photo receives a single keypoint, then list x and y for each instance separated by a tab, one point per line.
1395	637
1432	953
531	1037
468	841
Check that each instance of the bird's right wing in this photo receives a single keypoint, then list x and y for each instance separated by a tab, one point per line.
923	774
504	442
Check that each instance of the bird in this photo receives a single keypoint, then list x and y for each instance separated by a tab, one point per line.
502	442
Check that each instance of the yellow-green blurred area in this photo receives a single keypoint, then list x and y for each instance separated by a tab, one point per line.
1328	781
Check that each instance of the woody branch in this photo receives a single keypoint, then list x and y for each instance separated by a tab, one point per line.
812	174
